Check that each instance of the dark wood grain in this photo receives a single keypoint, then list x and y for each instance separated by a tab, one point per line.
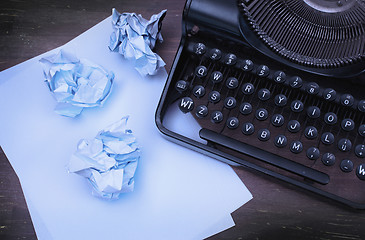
277	211
29	28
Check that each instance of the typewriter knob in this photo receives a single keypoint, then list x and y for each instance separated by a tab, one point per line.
247	65
361	106
313	112
327	138
312	88
330	118
347	100
279	77
347	124
215	54
296	147
296	82
346	165
360	171
199	91
329	94
201	71
230	59
360	150
328	159
280	141
199	49
201	111
181	86
361	130
186	104
313	153
263	71
248	88
344	145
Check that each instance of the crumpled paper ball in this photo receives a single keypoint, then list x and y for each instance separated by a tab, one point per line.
75	83
108	161
134	37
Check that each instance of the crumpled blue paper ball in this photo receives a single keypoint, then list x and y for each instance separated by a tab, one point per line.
108	161
75	83
134	37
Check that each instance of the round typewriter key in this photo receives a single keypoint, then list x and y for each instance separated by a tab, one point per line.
263	71
293	126
261	114
280	100
214	96
277	120
280	141
215	54
199	48
312	88
328	159
230	59
217	116
296	82
186	104
361	130
233	123
344	145
330	118
347	100
329	94
346	165
181	86
199	91
245	108
313	153
296	147
327	138
360	171
263	134
248	128
201	111
313	112
279	77
264	94
247	65
361	106
201	71
311	132
216	77
360	150
230	102
347	124
248	88
297	106
232	83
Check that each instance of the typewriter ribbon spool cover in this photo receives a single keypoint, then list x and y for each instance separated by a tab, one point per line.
274	86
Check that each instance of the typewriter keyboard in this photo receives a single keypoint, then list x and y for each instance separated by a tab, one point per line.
279	118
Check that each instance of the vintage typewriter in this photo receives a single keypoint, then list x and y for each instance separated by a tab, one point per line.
277	87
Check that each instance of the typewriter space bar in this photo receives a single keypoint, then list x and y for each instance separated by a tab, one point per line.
264	156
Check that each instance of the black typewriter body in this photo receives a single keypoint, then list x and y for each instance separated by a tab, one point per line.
277	87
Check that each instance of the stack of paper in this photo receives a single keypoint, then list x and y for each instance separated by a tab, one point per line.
179	194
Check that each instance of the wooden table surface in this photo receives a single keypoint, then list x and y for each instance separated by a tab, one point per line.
277	211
